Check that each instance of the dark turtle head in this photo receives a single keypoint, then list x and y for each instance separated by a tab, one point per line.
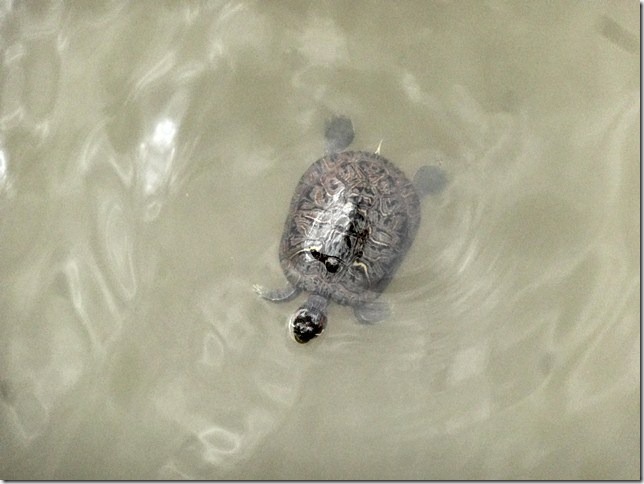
308	321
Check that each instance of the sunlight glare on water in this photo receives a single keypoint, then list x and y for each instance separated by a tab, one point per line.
148	154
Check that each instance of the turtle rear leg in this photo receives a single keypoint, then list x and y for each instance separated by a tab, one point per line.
429	180
372	312
338	134
282	294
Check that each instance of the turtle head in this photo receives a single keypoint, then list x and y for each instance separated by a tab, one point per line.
309	320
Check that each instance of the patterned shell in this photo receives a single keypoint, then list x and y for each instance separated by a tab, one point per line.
352	218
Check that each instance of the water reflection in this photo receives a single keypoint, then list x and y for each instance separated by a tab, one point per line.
218	443
5	184
150	150
157	152
157	155
230	402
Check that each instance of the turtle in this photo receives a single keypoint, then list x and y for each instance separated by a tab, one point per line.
352	218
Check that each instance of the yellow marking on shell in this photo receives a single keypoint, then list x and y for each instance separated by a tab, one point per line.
317	219
377	242
306	249
364	268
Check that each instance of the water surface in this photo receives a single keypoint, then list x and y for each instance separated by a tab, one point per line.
148	152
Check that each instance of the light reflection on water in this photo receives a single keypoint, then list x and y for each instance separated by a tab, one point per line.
146	164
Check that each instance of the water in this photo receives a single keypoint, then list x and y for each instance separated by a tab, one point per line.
148	152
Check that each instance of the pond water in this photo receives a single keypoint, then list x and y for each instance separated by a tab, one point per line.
148	153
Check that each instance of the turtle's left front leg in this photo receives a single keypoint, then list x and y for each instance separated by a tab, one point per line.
283	294
372	312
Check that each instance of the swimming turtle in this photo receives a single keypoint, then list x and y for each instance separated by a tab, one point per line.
352	218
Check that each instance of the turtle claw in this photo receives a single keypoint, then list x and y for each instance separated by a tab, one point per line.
282	294
372	312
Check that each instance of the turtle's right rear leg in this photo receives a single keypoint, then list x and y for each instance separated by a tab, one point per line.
338	134
282	294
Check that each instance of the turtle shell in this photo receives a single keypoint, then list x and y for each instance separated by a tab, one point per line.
352	218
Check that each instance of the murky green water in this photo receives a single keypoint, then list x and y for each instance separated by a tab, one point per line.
148	152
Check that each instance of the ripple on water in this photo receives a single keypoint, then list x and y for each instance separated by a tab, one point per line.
242	387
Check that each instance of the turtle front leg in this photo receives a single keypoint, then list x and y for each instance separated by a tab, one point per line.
372	312
282	294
